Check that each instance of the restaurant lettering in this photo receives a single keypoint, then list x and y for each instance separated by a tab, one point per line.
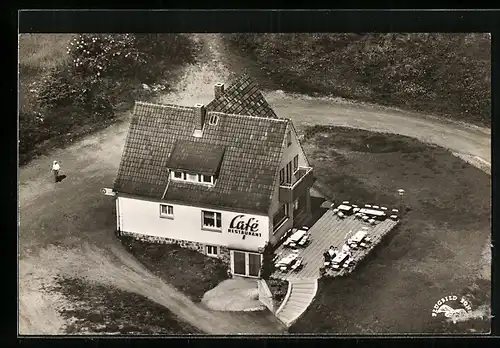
240	225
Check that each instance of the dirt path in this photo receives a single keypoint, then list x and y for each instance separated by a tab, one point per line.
65	228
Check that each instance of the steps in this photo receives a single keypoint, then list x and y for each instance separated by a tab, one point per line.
301	294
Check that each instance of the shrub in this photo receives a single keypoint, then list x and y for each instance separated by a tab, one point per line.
267	267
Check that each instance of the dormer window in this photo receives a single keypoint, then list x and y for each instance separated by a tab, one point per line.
178	175
213	120
289	138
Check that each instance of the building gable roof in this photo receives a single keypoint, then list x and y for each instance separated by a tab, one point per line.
253	148
242	97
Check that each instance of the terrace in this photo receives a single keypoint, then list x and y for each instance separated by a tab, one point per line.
331	230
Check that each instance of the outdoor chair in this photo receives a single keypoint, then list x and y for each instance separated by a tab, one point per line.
297	265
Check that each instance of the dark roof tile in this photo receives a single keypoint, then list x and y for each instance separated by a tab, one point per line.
253	148
189	156
242	97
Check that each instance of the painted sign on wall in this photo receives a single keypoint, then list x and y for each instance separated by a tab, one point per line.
241	225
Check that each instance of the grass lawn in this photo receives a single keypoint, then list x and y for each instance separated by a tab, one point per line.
435	251
189	271
103	309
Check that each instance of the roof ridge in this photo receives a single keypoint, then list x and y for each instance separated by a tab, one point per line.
183	107
277	119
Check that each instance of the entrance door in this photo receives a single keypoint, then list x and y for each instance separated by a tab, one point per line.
246	264
239	263
253	264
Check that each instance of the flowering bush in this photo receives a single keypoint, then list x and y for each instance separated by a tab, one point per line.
98	55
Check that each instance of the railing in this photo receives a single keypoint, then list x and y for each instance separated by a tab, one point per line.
301	181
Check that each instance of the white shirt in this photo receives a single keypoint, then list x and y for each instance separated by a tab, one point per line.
55	166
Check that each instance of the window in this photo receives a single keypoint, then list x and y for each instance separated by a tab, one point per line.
166	211
289	172
289	138
282	176
206	179
211	220
191	177
211	250
296	163
280	216
213	120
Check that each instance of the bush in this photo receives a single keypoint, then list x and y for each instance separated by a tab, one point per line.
448	74
267	267
104	73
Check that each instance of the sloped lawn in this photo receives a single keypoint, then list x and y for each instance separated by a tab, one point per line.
436	250
99	309
187	270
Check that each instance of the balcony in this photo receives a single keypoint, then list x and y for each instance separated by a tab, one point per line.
302	180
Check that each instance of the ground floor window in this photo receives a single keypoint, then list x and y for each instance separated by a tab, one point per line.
280	216
211	220
166	211
212	250
245	263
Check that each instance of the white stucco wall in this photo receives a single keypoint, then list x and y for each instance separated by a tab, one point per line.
143	217
289	153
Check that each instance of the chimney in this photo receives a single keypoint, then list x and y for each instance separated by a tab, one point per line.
218	89
199	110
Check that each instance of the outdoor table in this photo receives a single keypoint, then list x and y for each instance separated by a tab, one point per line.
373	212
344	207
359	236
297	236
341	257
287	260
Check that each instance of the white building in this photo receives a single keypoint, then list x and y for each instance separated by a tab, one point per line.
224	179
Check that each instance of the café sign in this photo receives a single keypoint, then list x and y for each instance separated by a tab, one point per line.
241	225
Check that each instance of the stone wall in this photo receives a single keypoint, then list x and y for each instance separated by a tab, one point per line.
199	247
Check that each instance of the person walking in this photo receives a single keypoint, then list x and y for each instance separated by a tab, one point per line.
55	169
